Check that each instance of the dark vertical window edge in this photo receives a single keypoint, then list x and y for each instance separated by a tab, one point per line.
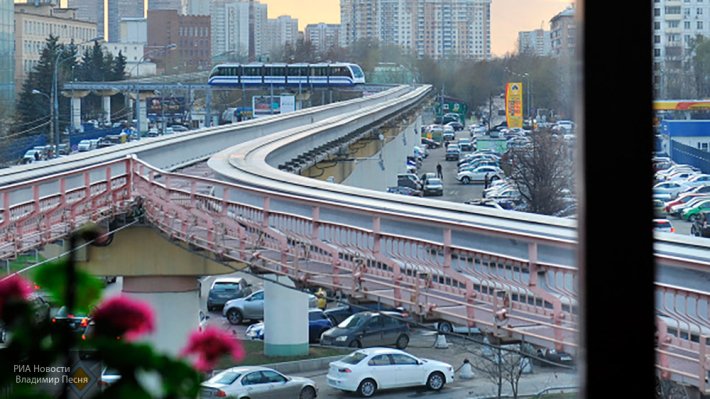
615	256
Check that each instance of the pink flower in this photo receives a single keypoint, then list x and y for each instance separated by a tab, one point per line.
121	316
210	345
13	289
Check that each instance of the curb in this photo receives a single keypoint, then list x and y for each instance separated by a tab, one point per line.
300	366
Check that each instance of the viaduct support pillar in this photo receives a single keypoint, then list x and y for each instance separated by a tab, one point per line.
175	304
285	318
76	97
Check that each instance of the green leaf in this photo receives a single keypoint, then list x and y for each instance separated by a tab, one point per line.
52	278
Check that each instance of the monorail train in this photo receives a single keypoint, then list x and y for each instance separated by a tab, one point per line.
335	74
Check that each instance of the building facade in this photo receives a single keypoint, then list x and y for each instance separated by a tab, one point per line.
136	63
563	34
89	10
322	36
537	42
429	28
676	24
282	31
231	29
134	30
178	5
7	59
119	9
34	24
190	34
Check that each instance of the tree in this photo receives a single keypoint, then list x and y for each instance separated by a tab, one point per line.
502	364
701	66
542	172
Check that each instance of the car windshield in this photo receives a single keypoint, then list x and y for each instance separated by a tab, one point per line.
353	358
433	181
226	286
225	377
353	321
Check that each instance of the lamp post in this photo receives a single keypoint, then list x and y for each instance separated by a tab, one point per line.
55	96
51	112
138	92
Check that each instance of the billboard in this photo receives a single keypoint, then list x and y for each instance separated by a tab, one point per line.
168	106
514	104
268	105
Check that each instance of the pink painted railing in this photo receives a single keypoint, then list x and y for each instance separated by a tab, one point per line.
511	297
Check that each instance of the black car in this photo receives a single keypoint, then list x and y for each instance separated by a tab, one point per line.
405	191
108	141
368	329
342	312
430	143
456	125
701	225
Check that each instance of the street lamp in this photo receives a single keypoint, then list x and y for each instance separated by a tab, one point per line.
55	96
51	112
138	92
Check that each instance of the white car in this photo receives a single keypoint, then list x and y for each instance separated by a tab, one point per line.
84	145
663	225
507	194
367	370
257	382
479	174
697	180
671	188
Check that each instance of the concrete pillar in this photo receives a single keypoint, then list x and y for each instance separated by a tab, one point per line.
176	307
76	113
142	115
106	102
285	318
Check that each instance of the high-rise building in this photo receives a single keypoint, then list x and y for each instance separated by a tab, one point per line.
231	29
563	33
676	26
119	9
189	33
134	30
432	28
198	7
282	31
537	42
7	58
89	10
322	36
34	24
178	5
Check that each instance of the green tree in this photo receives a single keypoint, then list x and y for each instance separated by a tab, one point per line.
701	66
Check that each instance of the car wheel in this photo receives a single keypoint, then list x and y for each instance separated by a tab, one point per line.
367	388
402	341
307	393
465	180
445	327
694	231
693	218
235	316
355	344
435	381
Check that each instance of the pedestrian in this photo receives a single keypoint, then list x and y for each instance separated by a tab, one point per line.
36	155
485	182
438	171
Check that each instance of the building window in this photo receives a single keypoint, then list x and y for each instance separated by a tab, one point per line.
698	11
656	52
672	10
656	12
700	25
686	25
656	39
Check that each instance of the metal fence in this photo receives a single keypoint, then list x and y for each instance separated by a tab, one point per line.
685	154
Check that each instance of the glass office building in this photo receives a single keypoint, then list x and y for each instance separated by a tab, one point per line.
7	58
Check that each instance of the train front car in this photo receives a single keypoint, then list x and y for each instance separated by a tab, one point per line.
224	75
357	74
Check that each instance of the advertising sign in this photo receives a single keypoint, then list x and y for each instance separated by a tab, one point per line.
168	106
264	106
514	104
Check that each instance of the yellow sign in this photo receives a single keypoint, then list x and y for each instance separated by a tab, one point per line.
514	104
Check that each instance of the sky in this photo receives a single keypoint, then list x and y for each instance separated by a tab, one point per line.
508	17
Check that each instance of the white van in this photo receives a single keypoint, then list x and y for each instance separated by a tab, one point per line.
84	145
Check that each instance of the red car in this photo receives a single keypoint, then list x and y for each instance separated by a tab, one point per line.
683	198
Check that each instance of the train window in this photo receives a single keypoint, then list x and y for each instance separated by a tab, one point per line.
278	71
303	71
252	71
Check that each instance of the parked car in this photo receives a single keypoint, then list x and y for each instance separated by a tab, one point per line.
677	209
426	176
479	174
453	152
108	141
671	188
224	289
692	213
405	191
465	144
318	323
409	180
682	199
487	203
366	371
153	132
701	225
430	143
339	313
251	307
697	180
179	128
456	125
663	225
434	187
256	382
85	145
365	329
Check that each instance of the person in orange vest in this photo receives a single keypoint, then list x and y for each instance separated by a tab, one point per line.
321	301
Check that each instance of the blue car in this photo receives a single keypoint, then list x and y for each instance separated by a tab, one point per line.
318	323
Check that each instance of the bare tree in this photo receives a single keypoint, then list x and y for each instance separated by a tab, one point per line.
542	171
503	364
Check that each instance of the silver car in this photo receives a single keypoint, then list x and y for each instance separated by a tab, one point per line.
251	307
256	382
